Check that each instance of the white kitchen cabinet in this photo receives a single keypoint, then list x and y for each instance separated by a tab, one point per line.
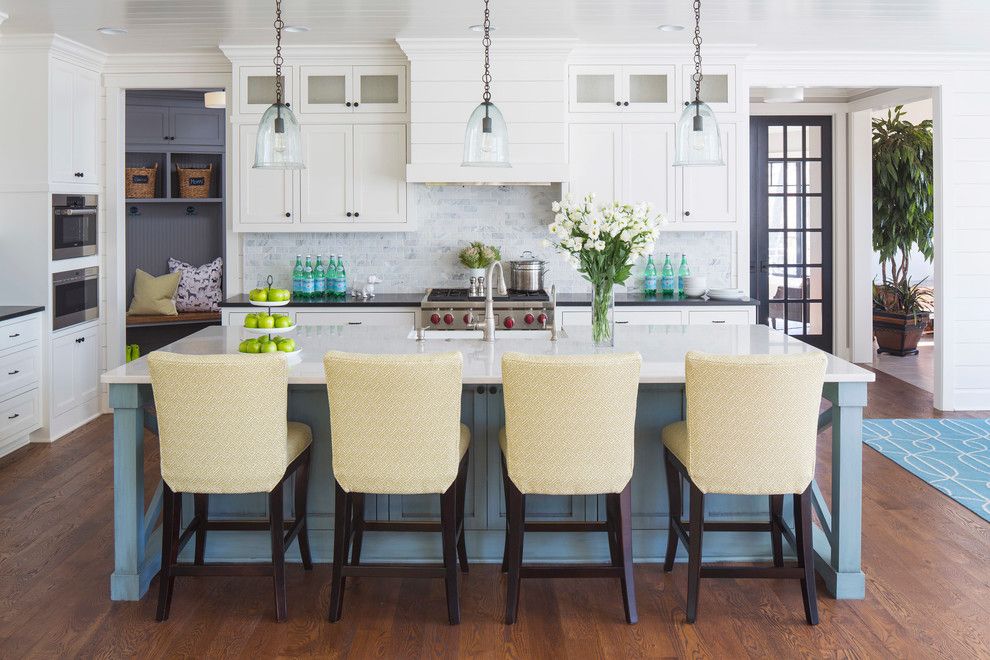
708	194
732	316
666	315
326	185
398	319
379	173
621	89
20	380
264	197
76	371
630	162
352	89
73	125
256	88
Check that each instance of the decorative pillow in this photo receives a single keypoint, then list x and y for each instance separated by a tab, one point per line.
200	289
154	295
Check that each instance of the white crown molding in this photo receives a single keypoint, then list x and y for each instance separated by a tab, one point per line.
338	53
602	53
127	63
508	48
56	45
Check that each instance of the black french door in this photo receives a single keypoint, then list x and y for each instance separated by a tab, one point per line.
791	225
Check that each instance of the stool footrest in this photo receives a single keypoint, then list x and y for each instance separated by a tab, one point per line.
222	569
570	570
244	525
747	572
393	570
566	526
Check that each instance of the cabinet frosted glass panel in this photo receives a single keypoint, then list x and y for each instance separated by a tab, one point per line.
379	89
647	88
714	88
326	90
261	89
595	88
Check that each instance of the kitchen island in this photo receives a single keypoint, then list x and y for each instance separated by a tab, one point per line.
137	536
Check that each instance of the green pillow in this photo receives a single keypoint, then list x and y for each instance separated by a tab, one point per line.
154	295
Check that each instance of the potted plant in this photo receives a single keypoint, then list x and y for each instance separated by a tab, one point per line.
477	256
902	218
602	243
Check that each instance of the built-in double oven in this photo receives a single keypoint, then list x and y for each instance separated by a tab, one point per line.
75	297
74	226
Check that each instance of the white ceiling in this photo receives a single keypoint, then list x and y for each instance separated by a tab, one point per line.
159	26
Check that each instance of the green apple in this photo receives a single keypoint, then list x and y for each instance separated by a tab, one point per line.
283	322
251	321
253	346
259	295
268	322
268	347
287	345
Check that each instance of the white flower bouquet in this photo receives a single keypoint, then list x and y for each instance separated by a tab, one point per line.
603	242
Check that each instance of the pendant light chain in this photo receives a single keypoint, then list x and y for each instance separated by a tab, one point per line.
487	42
697	51
279	24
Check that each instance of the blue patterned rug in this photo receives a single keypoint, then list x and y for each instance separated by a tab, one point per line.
952	455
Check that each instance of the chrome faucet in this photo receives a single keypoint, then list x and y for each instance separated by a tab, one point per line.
489	335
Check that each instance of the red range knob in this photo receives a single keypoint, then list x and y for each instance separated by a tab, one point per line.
448	319
528	319
542	318
435	319
467	318
508	322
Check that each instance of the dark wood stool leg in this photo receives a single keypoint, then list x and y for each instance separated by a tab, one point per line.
517	523
339	552
776	536
448	530
694	552
357	525
301	509
171	509
276	519
806	556
624	541
614	529
201	502
508	521
676	504
461	495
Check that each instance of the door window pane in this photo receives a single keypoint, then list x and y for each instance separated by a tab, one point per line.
775	212
795	283
795	212
815	324
775	141
595	88
795	248
813	212
325	89
795	177
813	141
814	282
813	247
775	247
775	171
380	89
647	88
813	176
795	146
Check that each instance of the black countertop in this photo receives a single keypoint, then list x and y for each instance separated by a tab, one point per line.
563	300
8	312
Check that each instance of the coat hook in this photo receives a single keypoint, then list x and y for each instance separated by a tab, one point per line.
133	210
190	210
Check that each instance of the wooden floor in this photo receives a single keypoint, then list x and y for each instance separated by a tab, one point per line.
926	558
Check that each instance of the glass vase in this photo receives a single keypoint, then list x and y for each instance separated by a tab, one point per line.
603	314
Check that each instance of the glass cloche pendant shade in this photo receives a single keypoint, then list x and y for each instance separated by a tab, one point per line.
279	146
697	138
486	141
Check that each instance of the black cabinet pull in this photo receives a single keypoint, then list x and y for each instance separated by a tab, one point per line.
687	213
619	103
625	103
356	104
288	105
719	321
481	389
349	214
356	214
354	322
347	104
14	416
493	390
80	340
288	215
15	371
621	322
16	334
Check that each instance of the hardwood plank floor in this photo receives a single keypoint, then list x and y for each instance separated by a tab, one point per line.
927	561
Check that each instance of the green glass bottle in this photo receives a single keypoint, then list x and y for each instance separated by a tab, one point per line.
309	282
319	279
650	278
340	286
297	279
682	272
668	282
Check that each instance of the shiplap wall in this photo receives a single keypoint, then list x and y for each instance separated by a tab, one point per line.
529	87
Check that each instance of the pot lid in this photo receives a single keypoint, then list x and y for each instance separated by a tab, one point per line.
527	260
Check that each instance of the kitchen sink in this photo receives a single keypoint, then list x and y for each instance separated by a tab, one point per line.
499	334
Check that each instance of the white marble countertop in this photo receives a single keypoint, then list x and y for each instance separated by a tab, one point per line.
662	346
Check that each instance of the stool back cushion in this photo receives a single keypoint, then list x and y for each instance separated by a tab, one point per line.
395	421
221	421
569	422
752	421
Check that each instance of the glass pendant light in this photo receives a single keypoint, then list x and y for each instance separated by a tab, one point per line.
279	146
486	141
697	138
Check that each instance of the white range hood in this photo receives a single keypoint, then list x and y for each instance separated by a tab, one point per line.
529	85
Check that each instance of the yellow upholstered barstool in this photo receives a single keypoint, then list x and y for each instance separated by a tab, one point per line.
751	429
395	428
223	430
569	430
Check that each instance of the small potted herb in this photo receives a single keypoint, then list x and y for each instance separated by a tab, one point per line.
477	256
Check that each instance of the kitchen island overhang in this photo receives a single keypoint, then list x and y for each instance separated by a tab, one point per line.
660	401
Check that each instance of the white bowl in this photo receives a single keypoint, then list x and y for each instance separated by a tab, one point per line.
694	292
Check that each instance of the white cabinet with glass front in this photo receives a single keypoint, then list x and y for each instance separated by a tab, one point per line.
256	88
622	89
352	89
718	87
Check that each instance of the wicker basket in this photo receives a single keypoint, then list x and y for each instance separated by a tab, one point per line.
141	182
194	182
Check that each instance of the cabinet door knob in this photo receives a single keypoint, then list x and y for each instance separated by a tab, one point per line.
625	103
348	104
288	214
493	390
619	103
481	389
288	105
349	214
356	104
356	214
687	213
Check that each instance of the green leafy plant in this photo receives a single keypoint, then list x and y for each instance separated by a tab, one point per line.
904	297
479	255
902	202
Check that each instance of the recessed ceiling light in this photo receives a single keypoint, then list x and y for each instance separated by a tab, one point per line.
295	28
669	27
112	30
480	28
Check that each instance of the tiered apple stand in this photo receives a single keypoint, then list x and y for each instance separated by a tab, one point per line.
271	332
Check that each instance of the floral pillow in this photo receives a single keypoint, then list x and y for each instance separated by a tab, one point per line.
200	289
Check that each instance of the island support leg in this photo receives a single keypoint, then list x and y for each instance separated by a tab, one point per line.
136	541
838	543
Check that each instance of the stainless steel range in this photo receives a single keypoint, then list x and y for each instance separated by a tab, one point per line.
457	309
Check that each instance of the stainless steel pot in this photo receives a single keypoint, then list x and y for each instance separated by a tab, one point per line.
527	273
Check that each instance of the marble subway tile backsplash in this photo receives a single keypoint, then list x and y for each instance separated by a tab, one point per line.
513	218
